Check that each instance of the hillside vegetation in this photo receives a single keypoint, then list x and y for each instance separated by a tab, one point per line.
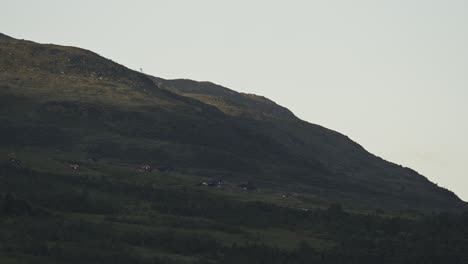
102	164
72	100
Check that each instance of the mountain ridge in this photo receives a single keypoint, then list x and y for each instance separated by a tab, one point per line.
261	105
5	37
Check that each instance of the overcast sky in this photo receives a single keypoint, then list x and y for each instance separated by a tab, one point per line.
392	75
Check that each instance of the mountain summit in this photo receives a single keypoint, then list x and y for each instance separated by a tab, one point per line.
61	104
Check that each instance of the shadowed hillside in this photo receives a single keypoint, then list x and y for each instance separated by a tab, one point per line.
344	164
101	164
69	100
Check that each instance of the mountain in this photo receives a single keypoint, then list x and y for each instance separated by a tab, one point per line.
74	102
103	164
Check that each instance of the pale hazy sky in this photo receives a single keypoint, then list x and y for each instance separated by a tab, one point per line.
392	75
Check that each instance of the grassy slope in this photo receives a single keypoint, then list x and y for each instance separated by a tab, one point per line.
107	212
346	165
69	100
129	203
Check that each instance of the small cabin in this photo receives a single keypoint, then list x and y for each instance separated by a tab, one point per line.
15	162
145	168
215	183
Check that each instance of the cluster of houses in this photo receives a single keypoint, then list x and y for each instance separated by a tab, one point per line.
220	183
75	165
15	162
288	195
142	168
216	183
148	168
249	186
